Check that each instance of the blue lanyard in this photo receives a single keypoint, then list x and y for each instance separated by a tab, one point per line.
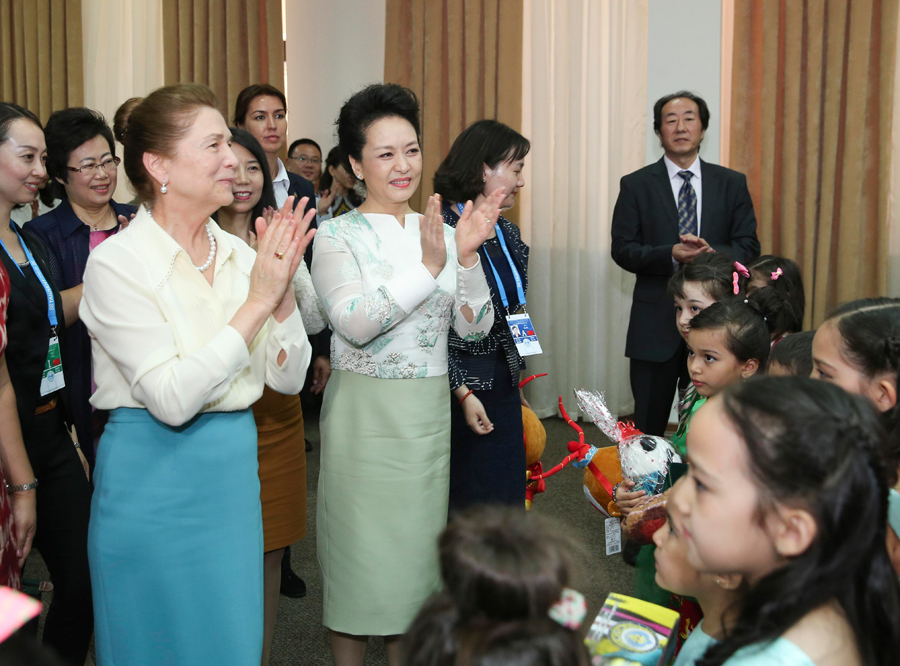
51	302
512	266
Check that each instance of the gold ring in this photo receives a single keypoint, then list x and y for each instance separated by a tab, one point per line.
279	255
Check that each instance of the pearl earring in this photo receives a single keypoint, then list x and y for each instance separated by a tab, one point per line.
164	189
358	176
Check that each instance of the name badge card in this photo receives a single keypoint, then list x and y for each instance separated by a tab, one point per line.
52	379
523	334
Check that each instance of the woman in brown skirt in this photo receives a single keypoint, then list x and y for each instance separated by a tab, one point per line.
279	417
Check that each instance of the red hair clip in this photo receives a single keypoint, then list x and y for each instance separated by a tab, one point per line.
776	274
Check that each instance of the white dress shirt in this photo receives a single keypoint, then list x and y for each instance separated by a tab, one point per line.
677	183
159	332
280	184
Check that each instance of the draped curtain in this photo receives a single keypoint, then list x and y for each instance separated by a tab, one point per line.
224	45
812	103
41	54
584	109
463	59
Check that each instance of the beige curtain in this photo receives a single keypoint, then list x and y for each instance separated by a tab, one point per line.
463	58
812	103
41	54
584	109
224	45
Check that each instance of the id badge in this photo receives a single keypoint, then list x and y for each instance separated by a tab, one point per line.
523	334
52	378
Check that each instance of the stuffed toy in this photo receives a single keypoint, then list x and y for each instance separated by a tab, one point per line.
535	443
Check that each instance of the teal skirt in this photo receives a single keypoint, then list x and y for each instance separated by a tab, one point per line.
175	541
382	499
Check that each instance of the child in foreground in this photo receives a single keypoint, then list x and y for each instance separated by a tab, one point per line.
505	600
787	488
858	348
718	594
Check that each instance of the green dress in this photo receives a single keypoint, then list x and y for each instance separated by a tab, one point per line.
645	586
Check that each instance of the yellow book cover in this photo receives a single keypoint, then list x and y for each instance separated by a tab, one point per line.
632	632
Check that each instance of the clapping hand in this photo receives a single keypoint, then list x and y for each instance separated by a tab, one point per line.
475	226
281	242
431	232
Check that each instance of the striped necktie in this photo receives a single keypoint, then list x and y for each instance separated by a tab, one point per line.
687	206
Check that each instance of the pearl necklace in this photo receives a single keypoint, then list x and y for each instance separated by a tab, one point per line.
212	246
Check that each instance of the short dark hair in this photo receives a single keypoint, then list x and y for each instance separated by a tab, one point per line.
369	105
459	177
810	443
303	142
248	141
714	271
66	131
788	280
9	113
248	94
684	94
794	353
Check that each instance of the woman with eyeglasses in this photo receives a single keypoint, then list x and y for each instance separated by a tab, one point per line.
38	371
81	164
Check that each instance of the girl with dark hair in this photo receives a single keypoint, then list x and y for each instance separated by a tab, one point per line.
711	278
784	276
82	163
787	487
505	597
858	348
487	456
279	417
338	187
39	374
393	282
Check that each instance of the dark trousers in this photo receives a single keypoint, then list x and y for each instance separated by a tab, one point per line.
63	512
653	386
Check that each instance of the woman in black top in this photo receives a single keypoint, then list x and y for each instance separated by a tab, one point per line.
487	456
36	326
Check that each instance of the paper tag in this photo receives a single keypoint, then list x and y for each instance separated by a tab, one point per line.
52	378
613	536
523	334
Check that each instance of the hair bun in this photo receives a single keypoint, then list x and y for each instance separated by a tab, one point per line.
122	117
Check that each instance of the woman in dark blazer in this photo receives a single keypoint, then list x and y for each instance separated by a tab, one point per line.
79	138
487	455
36	324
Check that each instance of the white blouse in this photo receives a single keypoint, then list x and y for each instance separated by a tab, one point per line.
159	332
389	315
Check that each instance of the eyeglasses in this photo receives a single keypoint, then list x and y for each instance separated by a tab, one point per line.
107	166
305	158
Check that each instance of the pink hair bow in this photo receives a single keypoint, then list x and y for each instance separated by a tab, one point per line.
737	287
776	273
742	269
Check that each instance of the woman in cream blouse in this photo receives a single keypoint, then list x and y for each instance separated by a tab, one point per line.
187	324
392	283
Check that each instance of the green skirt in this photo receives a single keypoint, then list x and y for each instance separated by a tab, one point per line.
382	499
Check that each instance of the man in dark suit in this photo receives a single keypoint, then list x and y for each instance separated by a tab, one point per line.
667	214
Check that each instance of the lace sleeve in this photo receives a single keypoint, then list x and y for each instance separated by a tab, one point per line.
311	310
359	317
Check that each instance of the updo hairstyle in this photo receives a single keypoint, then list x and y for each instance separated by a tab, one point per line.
156	125
369	105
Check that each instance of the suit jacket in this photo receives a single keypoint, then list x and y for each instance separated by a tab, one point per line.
300	187
67	240
644	230
29	334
